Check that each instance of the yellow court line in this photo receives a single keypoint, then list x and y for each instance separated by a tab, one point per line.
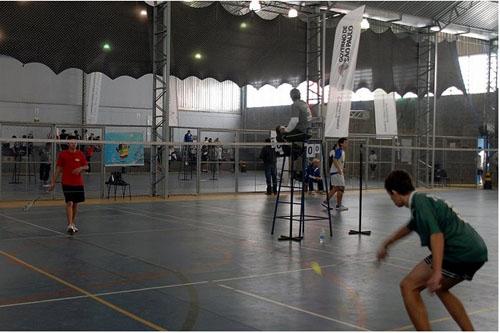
483	310
84	292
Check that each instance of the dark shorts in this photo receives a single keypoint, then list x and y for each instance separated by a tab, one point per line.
73	193
458	270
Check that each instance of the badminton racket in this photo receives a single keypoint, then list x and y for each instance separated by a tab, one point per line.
32	202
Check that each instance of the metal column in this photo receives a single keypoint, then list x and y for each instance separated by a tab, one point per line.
434	108
315	59
160	131
424	126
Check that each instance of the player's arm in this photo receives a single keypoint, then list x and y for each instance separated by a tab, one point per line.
437	248
400	233
337	166
55	176
291	124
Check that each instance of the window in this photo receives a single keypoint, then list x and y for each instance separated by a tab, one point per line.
475	72
207	95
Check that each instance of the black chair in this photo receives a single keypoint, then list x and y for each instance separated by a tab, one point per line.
115	180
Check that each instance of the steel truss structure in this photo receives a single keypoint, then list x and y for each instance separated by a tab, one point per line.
160	131
425	116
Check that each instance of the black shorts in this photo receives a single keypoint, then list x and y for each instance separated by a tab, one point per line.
458	270
73	193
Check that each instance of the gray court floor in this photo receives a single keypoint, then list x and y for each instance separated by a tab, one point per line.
211	264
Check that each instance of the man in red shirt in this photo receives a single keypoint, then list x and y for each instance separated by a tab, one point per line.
71	163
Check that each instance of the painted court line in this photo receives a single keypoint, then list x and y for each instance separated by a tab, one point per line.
93	234
438	320
126	291
84	292
271	274
292	307
31	224
120	292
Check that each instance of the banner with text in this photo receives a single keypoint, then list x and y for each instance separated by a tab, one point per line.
345	54
386	124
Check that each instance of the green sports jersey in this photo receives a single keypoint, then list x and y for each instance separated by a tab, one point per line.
432	215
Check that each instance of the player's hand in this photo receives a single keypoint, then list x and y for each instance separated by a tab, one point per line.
434	283
77	171
382	252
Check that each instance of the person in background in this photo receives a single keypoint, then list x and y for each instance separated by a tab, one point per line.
188	137
45	162
63	136
89	152
337	157
268	156
218	151
314	175
480	159
372	162
30	144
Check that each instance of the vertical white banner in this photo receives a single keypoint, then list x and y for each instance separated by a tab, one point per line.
345	54
93	82
386	124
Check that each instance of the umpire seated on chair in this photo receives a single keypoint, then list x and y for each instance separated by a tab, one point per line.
296	130
300	116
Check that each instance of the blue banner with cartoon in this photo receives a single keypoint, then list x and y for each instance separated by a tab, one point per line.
123	154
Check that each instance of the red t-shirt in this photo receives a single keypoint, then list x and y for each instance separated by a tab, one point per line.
69	161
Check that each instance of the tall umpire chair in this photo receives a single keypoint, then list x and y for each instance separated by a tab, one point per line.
296	150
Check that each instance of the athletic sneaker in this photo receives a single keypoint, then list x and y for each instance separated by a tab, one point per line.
72	229
325	204
341	208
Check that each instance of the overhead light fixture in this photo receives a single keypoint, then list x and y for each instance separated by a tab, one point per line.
293	12
365	24
106	47
144	12
254	5
198	56
243	25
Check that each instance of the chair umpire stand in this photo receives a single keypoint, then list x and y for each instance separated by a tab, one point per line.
299	150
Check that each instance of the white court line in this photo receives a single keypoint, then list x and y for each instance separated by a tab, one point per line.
93	234
31	224
140	213
103	294
293	307
271	274
161	287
